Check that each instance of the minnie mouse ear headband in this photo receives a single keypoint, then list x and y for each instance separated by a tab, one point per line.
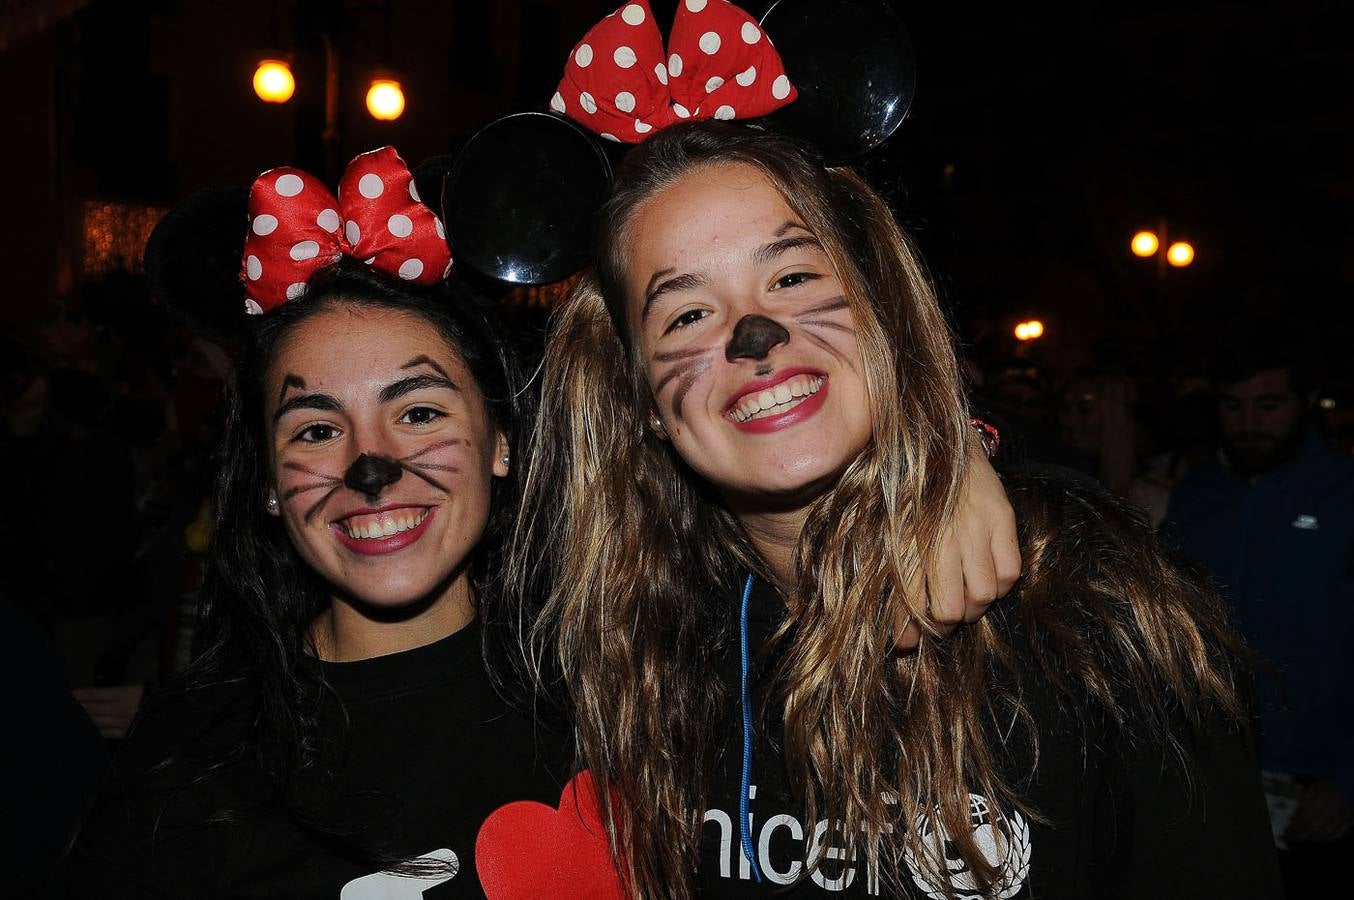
226	251
521	198
296	227
621	84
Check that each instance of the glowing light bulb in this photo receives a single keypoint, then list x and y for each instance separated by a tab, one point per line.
273	81
1180	254
1029	331
385	100
1144	243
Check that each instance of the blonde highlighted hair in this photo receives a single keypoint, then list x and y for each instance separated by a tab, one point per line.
638	562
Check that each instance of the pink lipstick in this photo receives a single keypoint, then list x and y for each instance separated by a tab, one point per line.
376	532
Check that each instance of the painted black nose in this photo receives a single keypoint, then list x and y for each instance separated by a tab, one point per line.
372	474
753	338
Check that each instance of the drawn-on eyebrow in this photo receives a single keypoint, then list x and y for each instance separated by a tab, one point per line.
291	381
415	383
422	360
322	402
671	286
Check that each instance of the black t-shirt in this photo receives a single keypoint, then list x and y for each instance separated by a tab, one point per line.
427	752
1119	822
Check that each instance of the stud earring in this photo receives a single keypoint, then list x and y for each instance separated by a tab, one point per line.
272	503
505	460
656	425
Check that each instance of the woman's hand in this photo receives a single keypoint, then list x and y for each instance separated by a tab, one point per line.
979	557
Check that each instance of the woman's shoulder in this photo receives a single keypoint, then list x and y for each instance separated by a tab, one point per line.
1113	615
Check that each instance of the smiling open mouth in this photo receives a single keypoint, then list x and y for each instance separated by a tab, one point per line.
777	400
384	524
383	531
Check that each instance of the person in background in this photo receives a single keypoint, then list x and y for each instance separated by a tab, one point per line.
1095	420
1184	438
1016	397
1272	519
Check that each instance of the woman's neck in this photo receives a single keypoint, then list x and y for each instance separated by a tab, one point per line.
349	631
774	536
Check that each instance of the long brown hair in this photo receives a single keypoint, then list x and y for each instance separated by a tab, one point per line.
642	563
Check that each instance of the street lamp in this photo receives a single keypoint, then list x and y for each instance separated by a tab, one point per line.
385	99
1144	244
1180	254
1029	331
1147	244
273	81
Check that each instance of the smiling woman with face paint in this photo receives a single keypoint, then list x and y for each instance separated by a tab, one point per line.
339	734
752	438
383	454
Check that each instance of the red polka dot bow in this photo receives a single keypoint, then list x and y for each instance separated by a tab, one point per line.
720	65
296	227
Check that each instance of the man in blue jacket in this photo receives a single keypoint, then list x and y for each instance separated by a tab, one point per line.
1273	521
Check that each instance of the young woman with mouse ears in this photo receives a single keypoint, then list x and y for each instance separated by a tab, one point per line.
753	436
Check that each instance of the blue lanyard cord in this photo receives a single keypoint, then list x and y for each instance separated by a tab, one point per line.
743	829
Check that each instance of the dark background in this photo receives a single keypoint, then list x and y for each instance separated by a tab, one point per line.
1043	135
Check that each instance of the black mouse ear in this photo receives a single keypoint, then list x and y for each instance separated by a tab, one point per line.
428	178
192	263
854	67
521	199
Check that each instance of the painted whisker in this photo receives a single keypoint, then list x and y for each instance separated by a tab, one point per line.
437	445
688	379
833	305
691	364
323	481
674	355
820	340
835	326
319	504
307	488
417	471
298	467
437	467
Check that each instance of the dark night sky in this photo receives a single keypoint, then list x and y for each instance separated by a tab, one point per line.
1042	136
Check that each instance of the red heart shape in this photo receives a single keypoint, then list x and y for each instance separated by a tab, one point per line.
526	850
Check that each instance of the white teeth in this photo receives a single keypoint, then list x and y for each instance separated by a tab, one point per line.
782	397
382	525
